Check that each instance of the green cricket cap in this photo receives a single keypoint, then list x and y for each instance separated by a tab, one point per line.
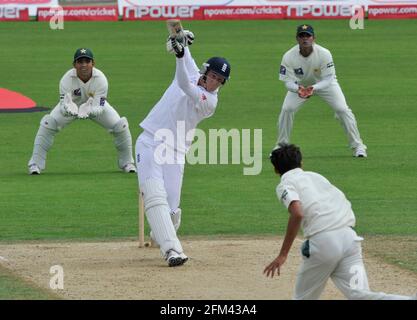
83	53
305	28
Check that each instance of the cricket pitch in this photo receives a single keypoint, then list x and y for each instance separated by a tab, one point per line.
218	268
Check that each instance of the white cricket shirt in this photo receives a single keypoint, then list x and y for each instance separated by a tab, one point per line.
183	105
307	70
96	87
324	206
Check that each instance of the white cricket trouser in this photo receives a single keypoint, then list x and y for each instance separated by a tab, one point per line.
336	254
333	95
149	166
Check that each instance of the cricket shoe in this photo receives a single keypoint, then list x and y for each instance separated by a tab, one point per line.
360	152
175	259
129	168
34	169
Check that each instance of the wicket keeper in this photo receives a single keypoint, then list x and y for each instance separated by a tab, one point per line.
83	95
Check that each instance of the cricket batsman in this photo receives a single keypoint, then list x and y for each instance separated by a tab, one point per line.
190	98
83	95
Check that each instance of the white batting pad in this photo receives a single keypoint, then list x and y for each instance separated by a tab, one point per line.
43	141
158	215
123	142
176	218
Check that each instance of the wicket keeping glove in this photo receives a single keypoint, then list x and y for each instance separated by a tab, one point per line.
85	109
94	111
68	107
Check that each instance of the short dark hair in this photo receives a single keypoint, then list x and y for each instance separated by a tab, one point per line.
286	158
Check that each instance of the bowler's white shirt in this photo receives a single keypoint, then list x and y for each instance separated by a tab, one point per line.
183	105
96	87
307	70
324	206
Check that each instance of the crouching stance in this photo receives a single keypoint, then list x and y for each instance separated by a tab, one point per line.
83	93
168	133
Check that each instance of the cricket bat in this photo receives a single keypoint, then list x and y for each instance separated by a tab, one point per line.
175	28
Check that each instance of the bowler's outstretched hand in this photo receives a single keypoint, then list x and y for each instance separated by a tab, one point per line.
275	265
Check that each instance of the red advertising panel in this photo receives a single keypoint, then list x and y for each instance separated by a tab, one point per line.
32	5
244	12
14	14
392	12
320	11
96	13
262	9
25	2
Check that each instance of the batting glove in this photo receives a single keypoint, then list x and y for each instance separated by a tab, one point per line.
174	46
188	37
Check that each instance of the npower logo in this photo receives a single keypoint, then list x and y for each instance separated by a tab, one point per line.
158	12
10	13
320	11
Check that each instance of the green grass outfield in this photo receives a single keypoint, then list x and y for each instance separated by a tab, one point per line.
82	194
14	288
